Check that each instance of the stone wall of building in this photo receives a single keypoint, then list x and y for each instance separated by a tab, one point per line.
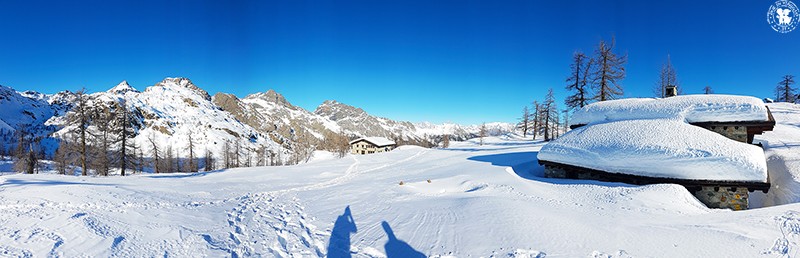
554	172
735	198
738	133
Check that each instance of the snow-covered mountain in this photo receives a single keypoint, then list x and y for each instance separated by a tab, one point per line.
23	110
462	132
270	112
357	121
26	113
170	112
174	109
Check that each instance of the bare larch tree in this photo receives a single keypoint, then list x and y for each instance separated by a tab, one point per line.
578	80
125	132
192	166
537	118
784	92
708	90
547	112
156	153
525	121
666	77
103	139
208	161
482	133
80	117
609	72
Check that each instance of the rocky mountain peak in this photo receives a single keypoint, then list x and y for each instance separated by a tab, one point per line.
122	88
335	110
271	96
182	82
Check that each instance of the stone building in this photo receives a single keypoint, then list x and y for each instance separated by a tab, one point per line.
724	115
369	145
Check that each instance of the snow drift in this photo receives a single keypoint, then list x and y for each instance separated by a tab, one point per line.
658	148
690	108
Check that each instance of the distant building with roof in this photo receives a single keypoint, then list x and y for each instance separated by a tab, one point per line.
369	145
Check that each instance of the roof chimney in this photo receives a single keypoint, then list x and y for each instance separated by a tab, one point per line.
671	91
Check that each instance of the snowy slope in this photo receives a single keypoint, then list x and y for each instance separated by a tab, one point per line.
482	201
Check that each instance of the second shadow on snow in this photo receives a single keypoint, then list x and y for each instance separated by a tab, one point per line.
398	248
345	226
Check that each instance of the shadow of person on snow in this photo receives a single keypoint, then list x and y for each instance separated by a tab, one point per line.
339	243
396	247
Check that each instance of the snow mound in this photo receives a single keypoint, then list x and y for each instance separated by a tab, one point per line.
690	108
664	148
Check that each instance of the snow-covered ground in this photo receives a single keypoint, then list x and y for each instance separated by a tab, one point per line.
782	147
481	201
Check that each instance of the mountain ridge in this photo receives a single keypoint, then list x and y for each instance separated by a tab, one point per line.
175	107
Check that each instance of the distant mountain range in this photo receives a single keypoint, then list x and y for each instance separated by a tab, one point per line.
174	109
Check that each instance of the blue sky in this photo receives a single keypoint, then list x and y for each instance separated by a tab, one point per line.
458	61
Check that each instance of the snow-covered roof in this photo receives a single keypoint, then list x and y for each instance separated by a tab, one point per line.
689	108
664	148
377	141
